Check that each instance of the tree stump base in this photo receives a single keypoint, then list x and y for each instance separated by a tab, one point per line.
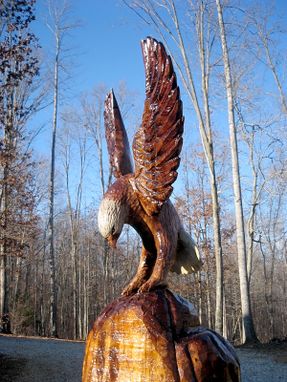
156	337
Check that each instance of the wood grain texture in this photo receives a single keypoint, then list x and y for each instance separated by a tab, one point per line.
155	337
117	139
141	199
158	142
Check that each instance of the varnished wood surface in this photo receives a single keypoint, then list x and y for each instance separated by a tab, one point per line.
117	139
141	197
158	142
155	337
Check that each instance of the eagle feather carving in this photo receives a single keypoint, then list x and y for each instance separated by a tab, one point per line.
140	197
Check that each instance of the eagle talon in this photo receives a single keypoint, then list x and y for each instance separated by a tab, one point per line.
129	290
148	286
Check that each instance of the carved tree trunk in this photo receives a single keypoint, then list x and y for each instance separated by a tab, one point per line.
152	337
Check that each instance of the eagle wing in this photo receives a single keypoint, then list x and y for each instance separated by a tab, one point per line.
157	143
116	137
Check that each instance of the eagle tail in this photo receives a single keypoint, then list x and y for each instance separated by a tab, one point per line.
187	255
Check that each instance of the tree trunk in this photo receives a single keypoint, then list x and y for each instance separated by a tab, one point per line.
4	293
254	203
16	282
208	146
53	287
207	142
74	283
79	312
4	286
265	41
218	253
4	308
74	249
249	332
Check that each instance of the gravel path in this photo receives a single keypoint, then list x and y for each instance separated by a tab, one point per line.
41	360
264	364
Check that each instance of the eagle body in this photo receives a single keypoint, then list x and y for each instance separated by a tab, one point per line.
140	196
165	244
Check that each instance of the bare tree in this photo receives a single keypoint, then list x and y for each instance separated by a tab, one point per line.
93	122
59	27
272	242
253	135
196	210
73	140
265	35
249	331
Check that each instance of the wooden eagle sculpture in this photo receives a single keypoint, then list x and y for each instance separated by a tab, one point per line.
140	197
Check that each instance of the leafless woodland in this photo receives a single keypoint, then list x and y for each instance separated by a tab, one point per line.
56	272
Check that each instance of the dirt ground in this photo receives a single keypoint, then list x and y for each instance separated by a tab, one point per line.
40	360
46	360
263	362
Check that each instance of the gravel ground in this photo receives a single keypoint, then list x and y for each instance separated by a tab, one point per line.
40	360
264	363
46	360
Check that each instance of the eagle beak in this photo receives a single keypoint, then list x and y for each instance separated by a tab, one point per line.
112	240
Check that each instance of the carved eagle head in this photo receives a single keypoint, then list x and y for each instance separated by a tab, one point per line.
113	212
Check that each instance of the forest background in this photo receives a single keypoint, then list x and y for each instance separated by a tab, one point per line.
58	61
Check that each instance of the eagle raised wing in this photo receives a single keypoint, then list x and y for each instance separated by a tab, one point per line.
157	143
116	137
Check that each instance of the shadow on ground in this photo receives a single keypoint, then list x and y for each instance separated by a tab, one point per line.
11	368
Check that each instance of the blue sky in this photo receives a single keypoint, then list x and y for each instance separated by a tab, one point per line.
106	49
106	46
